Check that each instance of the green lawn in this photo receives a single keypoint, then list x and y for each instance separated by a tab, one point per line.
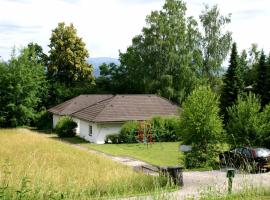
161	154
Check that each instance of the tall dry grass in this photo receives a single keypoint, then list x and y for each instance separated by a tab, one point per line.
39	167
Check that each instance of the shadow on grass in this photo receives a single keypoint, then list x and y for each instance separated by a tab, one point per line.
71	140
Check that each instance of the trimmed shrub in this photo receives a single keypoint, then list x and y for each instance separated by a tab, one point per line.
128	132
65	127
113	138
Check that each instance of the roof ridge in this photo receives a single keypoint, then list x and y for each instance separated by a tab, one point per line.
104	106
93	104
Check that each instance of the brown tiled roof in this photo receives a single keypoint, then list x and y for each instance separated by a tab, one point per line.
120	108
77	103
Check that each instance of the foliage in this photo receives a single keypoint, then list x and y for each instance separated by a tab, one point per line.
215	43
244	121
128	132
43	120
171	56
113	138
163	129
166	129
112	79
67	56
201	125
69	73
265	127
65	127
233	82
262	86
37	52
249	61
22	87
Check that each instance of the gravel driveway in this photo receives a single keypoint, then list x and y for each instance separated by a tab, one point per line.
216	181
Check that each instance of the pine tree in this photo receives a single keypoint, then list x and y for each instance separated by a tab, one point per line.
261	82
233	82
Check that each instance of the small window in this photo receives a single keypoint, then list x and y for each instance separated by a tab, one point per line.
90	131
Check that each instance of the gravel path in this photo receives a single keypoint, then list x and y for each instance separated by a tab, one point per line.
216	181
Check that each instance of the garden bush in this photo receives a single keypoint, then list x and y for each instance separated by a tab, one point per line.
166	129
128	132
65	127
163	129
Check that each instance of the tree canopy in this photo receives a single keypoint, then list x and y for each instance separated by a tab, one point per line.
67	62
172	56
22	86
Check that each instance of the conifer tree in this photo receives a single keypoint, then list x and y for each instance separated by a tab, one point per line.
261	83
233	82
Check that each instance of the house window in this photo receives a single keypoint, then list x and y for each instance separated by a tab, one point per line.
90	131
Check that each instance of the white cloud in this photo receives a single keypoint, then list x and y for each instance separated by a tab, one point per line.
109	25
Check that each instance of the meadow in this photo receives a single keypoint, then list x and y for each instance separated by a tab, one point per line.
36	167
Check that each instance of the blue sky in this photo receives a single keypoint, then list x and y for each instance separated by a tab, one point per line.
108	26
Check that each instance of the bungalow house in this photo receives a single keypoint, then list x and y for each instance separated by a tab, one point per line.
100	115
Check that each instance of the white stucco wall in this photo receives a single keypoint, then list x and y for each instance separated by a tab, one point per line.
78	124
107	129
55	119
84	131
99	131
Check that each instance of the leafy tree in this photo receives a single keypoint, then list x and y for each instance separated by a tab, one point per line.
37	52
244	122
69	73
251	61
169	47
22	84
171	56
215	43
202	126
67	56
233	82
112	79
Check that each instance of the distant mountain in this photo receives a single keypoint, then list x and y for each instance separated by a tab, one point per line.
96	62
